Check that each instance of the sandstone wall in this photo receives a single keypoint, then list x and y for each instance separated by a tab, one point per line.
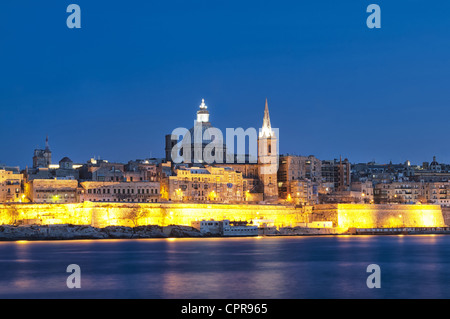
163	214
123	214
446	214
379	216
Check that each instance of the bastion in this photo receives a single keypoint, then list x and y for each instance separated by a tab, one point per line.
343	216
346	216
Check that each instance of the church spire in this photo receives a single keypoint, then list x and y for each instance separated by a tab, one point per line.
266	130
46	144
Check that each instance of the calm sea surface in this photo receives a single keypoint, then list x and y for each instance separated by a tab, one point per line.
269	267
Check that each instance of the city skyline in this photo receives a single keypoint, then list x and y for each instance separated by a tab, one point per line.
60	154
228	155
336	88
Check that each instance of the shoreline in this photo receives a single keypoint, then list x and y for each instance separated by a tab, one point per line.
86	232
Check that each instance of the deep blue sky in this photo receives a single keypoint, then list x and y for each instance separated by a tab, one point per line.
138	69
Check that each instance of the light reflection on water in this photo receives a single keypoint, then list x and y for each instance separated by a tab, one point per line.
268	267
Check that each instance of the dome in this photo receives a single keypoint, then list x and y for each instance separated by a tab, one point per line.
203	126
66	160
207	133
434	162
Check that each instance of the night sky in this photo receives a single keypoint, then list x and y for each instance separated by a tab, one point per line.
136	70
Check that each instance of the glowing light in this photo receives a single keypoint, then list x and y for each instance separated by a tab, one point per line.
212	195
203	105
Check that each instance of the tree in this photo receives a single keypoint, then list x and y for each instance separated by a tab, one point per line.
135	214
12	214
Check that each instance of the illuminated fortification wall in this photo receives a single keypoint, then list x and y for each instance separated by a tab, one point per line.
343	216
379	216
163	214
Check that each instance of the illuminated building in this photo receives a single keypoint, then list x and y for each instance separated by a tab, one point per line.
438	193
11	186
365	191
337	174
410	192
213	184
57	191
399	193
299	178
139	192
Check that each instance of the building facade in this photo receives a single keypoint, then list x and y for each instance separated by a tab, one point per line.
337	174
134	192
299	178
52	191
11	186
209	184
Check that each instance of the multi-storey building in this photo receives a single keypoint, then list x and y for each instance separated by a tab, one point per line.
136	192
438	193
299	178
55	191
411	192
214	184
11	186
337	174
364	191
